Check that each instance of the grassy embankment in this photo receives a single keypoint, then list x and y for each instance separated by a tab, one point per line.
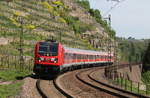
13	76
132	86
146	79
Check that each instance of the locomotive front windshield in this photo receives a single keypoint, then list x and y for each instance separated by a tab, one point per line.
48	49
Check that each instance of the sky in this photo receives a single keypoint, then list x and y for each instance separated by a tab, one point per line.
130	18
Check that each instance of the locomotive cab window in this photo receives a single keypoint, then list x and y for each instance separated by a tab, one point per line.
48	49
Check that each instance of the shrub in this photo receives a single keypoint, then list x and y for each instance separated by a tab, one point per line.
14	22
59	3
30	27
48	6
62	20
84	3
16	13
77	25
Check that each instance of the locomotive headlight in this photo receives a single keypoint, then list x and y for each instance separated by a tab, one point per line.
41	59
54	60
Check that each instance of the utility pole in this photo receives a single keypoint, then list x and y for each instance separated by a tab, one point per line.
60	36
21	45
108	19
111	48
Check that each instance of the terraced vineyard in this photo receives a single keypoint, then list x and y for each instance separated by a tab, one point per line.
39	22
30	21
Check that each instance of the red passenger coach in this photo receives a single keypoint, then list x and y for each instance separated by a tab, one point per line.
52	57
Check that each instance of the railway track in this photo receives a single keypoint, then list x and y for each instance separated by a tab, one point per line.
80	83
84	77
102	85
117	88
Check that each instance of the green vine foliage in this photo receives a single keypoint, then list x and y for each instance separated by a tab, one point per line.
84	3
146	60
78	26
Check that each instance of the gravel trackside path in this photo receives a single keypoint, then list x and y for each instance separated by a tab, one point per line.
29	89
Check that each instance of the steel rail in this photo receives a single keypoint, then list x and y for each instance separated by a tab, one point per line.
61	90
39	89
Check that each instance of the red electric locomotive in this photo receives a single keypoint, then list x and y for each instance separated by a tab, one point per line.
52	57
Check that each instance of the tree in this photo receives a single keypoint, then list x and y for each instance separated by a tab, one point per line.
84	3
146	60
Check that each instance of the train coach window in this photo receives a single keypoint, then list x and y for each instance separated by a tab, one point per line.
79	56
98	56
91	57
88	57
65	56
110	57
82	56
95	56
102	57
105	57
74	56
71	56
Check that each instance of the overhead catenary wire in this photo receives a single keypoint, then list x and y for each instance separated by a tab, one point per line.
115	5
